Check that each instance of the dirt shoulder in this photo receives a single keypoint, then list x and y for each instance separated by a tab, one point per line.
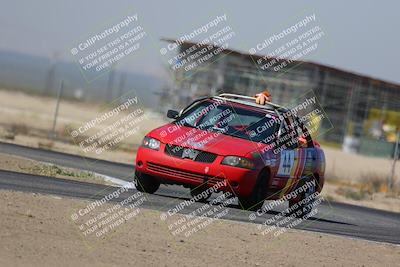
37	231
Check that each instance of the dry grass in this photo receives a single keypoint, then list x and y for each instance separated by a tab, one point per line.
352	193
373	183
48	145
6	134
19	129
53	171
24	165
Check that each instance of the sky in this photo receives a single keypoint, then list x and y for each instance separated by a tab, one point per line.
360	36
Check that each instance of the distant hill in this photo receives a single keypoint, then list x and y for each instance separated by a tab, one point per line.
42	75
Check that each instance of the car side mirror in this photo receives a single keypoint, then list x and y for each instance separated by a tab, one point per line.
172	114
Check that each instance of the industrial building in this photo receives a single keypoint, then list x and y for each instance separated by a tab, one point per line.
364	111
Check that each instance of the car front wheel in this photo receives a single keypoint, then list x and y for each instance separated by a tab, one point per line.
146	183
255	201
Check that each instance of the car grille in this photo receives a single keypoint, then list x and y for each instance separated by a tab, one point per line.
201	178
177	151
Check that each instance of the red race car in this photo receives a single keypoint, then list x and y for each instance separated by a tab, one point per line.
256	152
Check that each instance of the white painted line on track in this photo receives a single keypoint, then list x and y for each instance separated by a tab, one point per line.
118	182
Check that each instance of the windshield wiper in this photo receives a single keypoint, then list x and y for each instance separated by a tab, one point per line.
223	130
184	124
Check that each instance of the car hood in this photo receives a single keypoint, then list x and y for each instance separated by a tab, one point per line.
213	142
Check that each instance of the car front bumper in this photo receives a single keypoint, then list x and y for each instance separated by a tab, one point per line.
175	170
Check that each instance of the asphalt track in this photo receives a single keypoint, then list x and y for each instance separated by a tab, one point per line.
333	218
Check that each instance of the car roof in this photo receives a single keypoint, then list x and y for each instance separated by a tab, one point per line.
250	101
237	104
243	100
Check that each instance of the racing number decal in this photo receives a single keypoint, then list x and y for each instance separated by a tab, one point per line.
286	163
291	166
292	163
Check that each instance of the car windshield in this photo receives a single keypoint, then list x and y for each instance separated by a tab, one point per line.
229	119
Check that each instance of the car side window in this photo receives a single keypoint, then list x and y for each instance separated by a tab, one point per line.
302	131
288	137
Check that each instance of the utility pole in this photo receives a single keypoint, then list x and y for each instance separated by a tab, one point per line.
50	79
110	86
121	86
53	132
395	156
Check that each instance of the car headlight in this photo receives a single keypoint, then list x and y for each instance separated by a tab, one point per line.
238	162
151	143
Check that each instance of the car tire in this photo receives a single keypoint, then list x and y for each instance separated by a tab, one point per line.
255	201
146	183
299	209
200	191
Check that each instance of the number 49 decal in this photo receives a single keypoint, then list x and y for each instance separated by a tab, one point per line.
286	163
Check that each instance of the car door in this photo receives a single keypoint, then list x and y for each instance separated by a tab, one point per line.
291	157
308	152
